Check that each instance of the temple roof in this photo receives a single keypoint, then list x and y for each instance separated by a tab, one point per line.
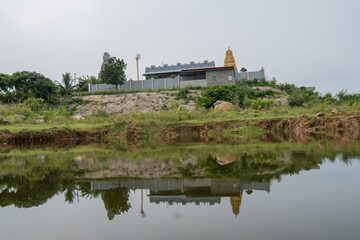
229	59
152	70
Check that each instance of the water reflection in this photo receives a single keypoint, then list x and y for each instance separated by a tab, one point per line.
182	175
175	191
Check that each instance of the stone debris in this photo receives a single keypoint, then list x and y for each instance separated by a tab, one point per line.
320	114
78	116
226	106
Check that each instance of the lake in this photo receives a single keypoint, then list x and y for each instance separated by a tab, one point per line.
251	191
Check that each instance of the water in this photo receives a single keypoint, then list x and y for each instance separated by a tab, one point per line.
276	191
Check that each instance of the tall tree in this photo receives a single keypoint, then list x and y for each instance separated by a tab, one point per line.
4	82
67	85
114	71
32	84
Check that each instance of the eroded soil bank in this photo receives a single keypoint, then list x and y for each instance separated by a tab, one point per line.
55	135
342	126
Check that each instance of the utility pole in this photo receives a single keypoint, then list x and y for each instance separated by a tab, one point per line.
138	56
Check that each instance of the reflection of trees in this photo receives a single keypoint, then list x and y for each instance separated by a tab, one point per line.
23	193
116	201
261	166
26	193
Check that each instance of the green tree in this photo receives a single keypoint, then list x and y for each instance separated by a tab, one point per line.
67	85
243	69
83	82
32	84
116	201
113	72
4	82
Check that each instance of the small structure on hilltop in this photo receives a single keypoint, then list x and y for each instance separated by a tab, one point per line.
166	71
229	59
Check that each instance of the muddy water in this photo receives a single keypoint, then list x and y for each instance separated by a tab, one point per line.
258	191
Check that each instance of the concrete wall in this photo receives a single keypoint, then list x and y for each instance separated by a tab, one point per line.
169	83
161	83
194	83
241	76
223	77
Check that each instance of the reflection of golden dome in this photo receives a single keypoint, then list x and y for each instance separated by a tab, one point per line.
229	59
235	203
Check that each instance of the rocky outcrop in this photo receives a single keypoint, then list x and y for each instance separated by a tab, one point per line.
226	106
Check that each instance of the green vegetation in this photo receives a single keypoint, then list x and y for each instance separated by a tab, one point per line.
113	72
83	82
229	93
182	93
255	99
67	86
24	85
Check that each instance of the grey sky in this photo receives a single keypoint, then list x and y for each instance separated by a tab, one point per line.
306	42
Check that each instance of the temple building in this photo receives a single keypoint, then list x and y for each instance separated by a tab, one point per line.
229	59
166	71
201	74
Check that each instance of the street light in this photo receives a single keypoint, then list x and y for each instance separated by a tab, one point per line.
138	56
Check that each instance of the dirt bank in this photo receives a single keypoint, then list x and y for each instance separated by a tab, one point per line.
54	135
343	126
340	127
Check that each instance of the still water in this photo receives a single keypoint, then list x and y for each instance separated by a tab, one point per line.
284	191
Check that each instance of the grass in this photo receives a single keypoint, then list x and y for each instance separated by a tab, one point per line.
21	127
176	116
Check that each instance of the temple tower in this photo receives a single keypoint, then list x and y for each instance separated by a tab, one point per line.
229	59
235	204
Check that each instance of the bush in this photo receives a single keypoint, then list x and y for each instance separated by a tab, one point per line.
182	94
35	104
228	93
262	104
8	97
102	113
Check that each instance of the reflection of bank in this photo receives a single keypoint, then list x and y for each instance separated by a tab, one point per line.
187	191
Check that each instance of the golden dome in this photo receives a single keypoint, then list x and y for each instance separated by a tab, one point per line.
235	203
229	59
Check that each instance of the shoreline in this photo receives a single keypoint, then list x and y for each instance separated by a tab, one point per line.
304	128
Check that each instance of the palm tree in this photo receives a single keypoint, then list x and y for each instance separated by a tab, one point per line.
68	84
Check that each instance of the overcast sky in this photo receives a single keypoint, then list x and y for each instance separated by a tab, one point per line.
306	42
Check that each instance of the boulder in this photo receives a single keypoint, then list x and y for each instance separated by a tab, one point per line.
14	118
226	106
40	121
334	111
78	116
224	160
320	114
20	117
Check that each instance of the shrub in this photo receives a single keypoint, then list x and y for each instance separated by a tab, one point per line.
102	113
229	93
164	107
35	104
182	94
262	104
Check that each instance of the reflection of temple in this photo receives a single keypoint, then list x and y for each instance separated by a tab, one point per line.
184	191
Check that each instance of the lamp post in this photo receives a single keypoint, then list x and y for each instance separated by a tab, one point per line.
138	56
